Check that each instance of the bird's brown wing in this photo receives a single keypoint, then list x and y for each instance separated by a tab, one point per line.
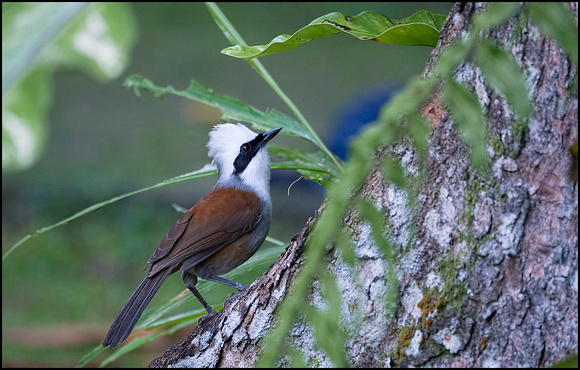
218	219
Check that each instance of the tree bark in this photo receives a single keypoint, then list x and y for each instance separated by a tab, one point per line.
487	265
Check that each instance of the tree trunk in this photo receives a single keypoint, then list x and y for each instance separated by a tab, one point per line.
487	265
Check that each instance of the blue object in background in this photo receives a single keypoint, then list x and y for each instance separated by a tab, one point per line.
362	109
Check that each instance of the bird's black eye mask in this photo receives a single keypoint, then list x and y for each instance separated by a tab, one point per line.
247	152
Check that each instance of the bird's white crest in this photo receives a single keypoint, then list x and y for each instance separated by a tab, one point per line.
224	145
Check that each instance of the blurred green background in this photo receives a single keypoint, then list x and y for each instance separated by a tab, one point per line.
62	290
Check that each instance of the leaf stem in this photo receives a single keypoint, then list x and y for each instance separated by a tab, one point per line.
207	170
235	38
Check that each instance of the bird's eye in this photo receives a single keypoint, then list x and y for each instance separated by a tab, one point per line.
245	148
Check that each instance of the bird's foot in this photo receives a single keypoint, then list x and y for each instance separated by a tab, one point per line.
204	318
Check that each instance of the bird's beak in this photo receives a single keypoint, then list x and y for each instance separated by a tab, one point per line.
268	135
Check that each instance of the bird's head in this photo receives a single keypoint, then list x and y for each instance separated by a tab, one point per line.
241	156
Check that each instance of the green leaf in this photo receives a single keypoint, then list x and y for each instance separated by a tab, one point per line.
376	219
568	363
388	126
422	28
495	14
556	21
334	300
152	318
418	130
450	57
502	72
231	108
207	170
138	342
343	241
89	356
407	101
27	29
234	37
36	39
327	334
24	126
393	172
313	166
99	42
296	357
468	117
176	319
392	291
326	324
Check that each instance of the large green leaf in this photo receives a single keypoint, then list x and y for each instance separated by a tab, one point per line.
232	108
422	28
97	38
36	39
27	28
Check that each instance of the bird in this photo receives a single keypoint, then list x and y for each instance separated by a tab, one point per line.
220	232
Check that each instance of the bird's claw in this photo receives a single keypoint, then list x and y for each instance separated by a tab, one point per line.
204	318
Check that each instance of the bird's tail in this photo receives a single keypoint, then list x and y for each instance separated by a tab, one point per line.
132	310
